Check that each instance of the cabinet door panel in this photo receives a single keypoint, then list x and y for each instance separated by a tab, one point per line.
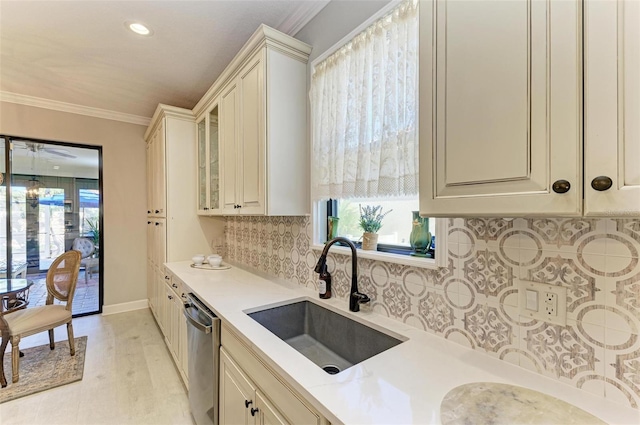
267	414
213	165
235	390
229	142
612	106
150	171
160	241
202	165
494	133
252	105
160	178
482	85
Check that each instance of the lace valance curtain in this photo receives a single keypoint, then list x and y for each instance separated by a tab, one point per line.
364	100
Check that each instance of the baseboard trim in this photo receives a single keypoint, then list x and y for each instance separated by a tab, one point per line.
123	307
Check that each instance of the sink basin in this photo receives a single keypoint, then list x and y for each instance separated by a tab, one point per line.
332	341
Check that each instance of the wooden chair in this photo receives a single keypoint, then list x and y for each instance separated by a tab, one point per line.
61	285
4	333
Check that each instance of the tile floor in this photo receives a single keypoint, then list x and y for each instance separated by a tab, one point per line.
85	299
129	378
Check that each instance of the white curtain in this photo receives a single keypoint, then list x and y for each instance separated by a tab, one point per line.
364	101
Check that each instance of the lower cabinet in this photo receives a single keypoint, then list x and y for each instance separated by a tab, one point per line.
252	394
166	300
237	394
240	401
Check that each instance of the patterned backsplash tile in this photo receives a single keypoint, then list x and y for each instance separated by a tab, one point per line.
474	301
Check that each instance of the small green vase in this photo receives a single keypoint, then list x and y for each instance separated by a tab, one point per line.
420	238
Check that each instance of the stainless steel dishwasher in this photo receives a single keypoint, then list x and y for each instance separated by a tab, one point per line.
203	335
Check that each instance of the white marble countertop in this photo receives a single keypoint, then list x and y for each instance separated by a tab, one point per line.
403	385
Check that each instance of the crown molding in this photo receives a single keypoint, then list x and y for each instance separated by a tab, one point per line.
168	111
55	105
301	16
263	36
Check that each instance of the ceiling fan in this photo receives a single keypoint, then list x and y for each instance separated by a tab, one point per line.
40	147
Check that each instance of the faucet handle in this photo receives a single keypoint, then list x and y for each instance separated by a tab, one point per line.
356	299
362	298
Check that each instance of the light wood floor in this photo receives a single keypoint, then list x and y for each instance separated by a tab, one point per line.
129	378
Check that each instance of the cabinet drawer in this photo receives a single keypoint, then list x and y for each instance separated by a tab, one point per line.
174	283
287	402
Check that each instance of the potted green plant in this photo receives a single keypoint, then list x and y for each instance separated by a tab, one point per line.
371	221
94	230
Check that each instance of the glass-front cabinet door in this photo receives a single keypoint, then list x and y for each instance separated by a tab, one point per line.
214	160
202	166
209	162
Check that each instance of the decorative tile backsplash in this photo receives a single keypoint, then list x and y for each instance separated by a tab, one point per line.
474	301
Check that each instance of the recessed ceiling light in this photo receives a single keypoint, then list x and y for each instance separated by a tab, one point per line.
138	28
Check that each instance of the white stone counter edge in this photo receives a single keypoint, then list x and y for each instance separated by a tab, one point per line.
403	385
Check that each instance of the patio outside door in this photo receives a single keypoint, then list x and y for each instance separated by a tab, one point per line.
50	197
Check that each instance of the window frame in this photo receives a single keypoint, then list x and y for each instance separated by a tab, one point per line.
319	214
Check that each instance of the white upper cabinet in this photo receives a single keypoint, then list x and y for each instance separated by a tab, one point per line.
208	149
612	108
262	144
229	147
500	108
171	176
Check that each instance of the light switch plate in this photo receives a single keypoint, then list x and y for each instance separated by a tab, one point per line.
556	315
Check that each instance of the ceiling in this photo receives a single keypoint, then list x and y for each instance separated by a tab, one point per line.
80	52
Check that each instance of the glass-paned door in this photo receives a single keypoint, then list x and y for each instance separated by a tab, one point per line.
54	206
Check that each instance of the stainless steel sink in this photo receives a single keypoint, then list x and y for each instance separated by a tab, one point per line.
332	341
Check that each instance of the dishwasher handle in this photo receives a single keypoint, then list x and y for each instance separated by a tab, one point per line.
193	320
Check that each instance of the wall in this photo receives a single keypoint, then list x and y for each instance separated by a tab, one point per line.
474	300
335	21
124	186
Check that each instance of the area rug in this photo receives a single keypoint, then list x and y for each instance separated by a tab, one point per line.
42	369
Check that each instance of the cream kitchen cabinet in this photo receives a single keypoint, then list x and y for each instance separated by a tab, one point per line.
500	108
175	326
208	149
250	393
174	231
612	108
240	401
262	98
156	173
502	129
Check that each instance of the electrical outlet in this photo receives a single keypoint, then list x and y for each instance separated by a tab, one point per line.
551	302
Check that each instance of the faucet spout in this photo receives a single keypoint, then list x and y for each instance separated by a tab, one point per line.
355	297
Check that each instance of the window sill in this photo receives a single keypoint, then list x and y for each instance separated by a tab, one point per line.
407	260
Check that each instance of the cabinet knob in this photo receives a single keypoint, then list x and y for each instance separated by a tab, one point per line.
174	285
170	297
601	183
247	403
561	186
157	211
254	411
157	224
148	212
148	222
166	277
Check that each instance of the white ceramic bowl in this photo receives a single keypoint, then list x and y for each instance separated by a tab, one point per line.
215	261
198	259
